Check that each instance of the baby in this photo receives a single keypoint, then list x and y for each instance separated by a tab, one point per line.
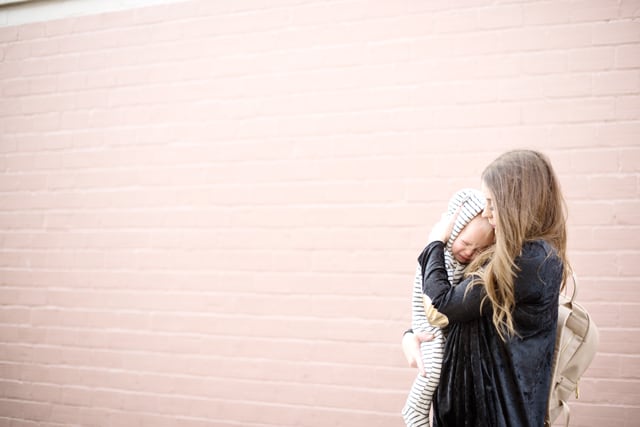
471	234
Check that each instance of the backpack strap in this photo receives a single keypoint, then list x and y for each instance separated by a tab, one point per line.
574	294
565	413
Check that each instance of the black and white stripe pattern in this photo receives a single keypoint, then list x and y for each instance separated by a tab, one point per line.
418	405
471	202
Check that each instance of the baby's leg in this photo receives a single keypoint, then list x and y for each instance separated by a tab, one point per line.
417	408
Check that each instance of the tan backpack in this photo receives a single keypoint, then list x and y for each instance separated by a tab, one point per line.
576	343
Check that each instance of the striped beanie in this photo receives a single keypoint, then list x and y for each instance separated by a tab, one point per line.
471	202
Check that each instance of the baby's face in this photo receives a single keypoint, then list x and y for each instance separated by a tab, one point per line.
473	239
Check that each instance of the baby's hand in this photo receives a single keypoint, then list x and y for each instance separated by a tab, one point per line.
442	229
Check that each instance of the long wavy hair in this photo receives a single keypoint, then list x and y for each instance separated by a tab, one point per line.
530	206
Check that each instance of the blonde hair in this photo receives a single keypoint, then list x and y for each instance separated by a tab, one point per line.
530	206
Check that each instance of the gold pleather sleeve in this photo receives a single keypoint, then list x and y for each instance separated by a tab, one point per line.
434	316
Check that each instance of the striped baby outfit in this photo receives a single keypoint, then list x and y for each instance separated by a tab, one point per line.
470	203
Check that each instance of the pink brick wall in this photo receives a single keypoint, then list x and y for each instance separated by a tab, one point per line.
210	211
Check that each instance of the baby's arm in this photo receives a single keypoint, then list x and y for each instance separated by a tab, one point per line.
419	321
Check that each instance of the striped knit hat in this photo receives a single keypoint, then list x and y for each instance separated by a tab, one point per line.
471	202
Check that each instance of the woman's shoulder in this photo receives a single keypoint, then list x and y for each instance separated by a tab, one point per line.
539	265
537	255
539	252
538	248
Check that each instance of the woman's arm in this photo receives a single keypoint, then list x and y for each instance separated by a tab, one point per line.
455	302
411	347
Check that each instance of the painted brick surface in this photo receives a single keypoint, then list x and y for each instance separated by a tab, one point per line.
210	211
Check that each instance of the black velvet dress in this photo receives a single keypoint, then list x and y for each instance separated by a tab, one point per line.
486	382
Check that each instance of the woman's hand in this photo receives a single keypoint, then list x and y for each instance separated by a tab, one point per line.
411	348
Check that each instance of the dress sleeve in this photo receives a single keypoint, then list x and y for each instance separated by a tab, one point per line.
455	302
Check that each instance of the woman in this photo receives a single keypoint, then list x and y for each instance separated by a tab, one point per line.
502	318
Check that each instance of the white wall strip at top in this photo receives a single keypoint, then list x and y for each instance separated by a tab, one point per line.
17	12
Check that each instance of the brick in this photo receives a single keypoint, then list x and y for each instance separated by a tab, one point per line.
16	315
455	21
584	263
628	267
599	413
607	365
502	16
593	59
609	187
546	112
616	82
37	411
314	14
589	213
551	86
58	27
15	87
589	110
533	38
627	315
544	63
619	289
627	163
621	132
595	10
616	32
46	103
628	107
627	56
17	51
546	13
148	15
617	342
628	9
31	31
94	417
9	34
624	392
47	84
43	47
